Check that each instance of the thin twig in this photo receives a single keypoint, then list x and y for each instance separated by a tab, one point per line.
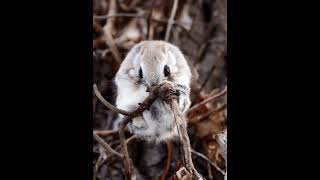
213	111
185	141
127	163
127	142
102	17
169	159
135	15
221	93
105	132
105	145
108	28
131	138
153	95
149	21
168	94
207	159
118	148
207	78
170	22
107	104
194	40
201	52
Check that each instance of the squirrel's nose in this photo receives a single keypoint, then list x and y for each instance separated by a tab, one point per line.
154	82
150	86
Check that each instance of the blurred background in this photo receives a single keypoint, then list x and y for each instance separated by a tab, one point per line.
199	29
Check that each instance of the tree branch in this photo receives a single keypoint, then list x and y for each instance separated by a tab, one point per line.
107	104
169	95
105	132
170	22
127	161
209	161
169	159
211	98
213	111
106	146
108	28
207	78
153	95
140	16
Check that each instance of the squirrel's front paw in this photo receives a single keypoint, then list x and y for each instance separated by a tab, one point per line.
139	122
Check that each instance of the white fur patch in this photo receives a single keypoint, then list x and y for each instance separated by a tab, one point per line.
139	122
171	60
132	73
136	61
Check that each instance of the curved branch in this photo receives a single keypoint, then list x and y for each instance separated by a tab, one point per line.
105	132
108	105
209	161
106	146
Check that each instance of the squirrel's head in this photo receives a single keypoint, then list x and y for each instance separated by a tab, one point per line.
154	63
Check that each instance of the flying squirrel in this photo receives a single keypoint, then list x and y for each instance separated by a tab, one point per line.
150	63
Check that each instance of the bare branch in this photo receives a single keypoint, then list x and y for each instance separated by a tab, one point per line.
108	105
108	28
185	141
149	22
169	159
213	111
168	94
211	98
131	138
135	15
170	22
209	161
207	78
127	161
106	146
201	52
127	142
153	95
105	132
150	19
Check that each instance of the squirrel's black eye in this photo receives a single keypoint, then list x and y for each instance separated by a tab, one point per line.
166	70
140	73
